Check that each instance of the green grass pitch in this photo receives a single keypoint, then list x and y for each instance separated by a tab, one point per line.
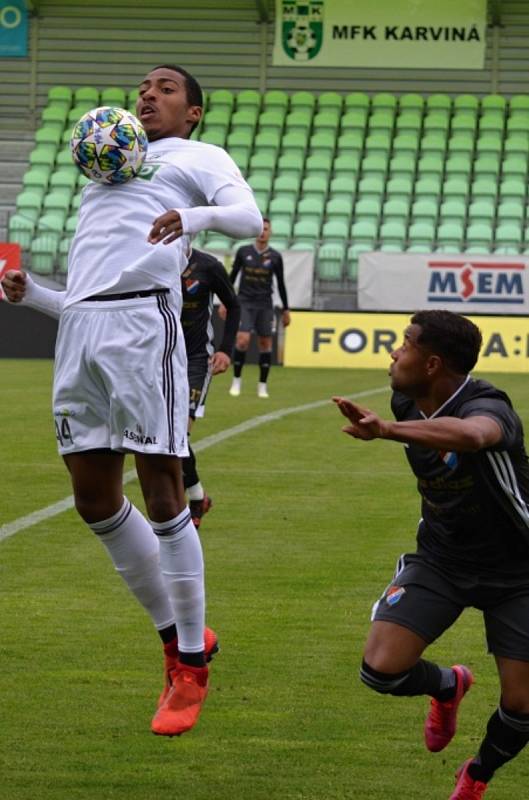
304	535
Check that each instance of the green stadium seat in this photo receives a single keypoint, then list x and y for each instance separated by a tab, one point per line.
509	233
411	101
239	138
513	187
57	199
88	96
484	187
56	113
430	164
517	143
402	164
450	233
422	233
263	161
292	160
278	243
248	98
284	205
319	163
315	185
507	249
371	185
424	209
491	124
368	208
287	183
514	166
342	183
429	186
466	102
453	209
461	142
132	97
282	226
268	140
477	249
479	233
328	100
487	164
244	118
76	202
29	201
328	119
302	99
295	140
375	164
76	112
261	200
382	120
408	121
464	121
379	142
395	209
517	124
303	245
519	102
218	118
62	254
393	232
64	178
419	248
260	181
458	164
489	142
273	118
43	251
64	158
306	230
350	142
221	98
322	141
43	154
406	142
52	222
335	230
482	210
384	100
354	252
113	96
456	186
434	142
339	208
311	206
391	247
275	98
364	230
216	136
60	94
493	102
21	228
356	100
436	122
71	223
355	120
400	186
448	248
438	101
330	259
299	119
37	177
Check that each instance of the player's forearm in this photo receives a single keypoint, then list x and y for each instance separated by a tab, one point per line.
235	214
48	301
231	326
445	433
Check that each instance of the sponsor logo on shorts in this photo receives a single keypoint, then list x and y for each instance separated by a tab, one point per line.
394	594
139	437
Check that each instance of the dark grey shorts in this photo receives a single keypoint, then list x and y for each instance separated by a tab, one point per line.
427	602
257	318
199	377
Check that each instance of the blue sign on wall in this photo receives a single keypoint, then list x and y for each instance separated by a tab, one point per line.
13	28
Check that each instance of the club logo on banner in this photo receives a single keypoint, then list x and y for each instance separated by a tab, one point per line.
302	28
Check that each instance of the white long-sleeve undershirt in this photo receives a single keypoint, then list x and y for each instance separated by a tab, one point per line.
235	214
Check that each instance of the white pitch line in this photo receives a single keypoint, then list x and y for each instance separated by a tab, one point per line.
20	524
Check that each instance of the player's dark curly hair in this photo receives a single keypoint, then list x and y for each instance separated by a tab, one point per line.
193	88
453	337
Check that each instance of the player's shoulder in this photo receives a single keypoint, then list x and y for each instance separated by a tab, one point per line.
478	390
205	151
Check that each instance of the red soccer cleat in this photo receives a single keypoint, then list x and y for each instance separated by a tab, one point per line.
183	703
441	722
198	508
211	646
466	787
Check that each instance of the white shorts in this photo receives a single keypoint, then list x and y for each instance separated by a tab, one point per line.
121	377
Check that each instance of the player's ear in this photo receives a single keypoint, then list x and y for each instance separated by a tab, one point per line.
194	114
434	364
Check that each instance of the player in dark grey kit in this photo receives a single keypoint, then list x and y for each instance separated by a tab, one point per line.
464	443
257	264
203	278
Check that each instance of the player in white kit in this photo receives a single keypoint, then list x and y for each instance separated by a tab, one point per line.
120	380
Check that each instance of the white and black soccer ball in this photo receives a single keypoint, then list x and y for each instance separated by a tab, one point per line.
109	145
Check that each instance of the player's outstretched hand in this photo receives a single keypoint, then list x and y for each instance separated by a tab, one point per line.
364	424
14	285
219	362
166	228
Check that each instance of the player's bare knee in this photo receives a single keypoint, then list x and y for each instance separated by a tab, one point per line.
162	509
92	509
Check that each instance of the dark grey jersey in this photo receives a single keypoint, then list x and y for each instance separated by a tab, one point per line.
475	506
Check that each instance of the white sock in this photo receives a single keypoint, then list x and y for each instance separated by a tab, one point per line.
195	492
183	568
134	550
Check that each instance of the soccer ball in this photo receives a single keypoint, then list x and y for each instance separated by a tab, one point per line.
109	145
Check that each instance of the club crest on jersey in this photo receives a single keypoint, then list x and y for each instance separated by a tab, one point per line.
192	286
394	594
449	458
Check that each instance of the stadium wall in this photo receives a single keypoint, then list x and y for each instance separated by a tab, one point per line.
114	42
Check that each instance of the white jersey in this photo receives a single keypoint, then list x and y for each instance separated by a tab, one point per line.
110	251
